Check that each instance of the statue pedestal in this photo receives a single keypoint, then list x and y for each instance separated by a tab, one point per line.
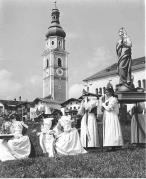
131	97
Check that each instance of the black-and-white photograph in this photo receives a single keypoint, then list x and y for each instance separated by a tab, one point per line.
72	89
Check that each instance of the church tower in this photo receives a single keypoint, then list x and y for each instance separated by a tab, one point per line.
55	61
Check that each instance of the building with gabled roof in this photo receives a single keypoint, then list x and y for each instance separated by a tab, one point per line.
71	106
10	106
46	102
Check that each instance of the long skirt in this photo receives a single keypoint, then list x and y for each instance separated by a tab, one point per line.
16	148
47	144
112	135
89	131
69	143
138	130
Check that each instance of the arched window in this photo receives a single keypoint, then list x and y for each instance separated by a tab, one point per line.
47	63
139	83
144	83
59	43
87	88
59	62
96	90
100	90
104	90
52	42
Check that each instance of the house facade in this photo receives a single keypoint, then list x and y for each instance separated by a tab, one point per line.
71	106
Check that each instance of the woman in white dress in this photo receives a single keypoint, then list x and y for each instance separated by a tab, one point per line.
68	141
19	147
89	129
112	135
46	137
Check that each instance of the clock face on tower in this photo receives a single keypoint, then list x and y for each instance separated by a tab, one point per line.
59	71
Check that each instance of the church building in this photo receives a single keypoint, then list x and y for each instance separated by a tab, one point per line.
55	61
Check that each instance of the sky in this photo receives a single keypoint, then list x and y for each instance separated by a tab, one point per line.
91	28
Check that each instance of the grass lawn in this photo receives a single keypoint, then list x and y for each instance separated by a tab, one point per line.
125	162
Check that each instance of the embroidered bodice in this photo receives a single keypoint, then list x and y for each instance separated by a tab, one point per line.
65	122
6	127
46	126
17	127
89	106
111	104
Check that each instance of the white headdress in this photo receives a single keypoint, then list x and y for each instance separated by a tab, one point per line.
47	120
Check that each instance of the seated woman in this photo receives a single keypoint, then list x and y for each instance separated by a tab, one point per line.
67	141
46	136
18	147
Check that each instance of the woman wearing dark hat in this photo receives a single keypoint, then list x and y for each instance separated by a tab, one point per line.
112	135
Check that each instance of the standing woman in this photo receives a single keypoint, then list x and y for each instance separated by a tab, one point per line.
112	135
89	128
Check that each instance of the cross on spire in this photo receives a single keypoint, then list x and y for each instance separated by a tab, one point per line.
55	4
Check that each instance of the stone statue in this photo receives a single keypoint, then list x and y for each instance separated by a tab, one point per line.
123	49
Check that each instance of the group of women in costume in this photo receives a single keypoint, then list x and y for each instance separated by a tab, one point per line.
62	138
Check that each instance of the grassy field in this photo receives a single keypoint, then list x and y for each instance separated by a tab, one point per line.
125	162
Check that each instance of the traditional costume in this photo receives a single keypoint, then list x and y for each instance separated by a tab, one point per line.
89	129
112	135
19	147
46	137
68	142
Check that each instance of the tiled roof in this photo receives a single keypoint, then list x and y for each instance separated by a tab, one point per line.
137	63
51	103
13	102
47	100
69	100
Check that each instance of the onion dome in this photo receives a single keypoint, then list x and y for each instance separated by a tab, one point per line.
55	29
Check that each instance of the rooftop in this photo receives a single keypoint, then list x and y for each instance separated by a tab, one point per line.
137	63
50	102
70	100
14	103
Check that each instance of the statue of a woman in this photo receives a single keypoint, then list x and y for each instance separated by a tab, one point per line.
123	49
